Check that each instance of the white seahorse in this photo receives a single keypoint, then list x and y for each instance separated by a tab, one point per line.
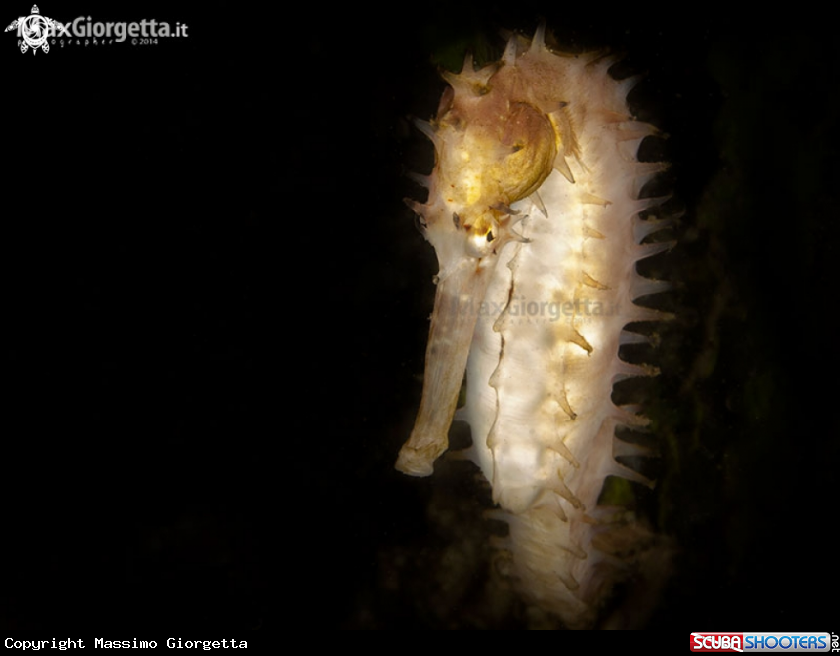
533	211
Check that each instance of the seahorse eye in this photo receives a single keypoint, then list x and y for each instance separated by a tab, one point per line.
480	240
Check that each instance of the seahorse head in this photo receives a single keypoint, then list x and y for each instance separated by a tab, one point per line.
491	151
493	147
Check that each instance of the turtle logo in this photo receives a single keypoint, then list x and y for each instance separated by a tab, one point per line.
35	30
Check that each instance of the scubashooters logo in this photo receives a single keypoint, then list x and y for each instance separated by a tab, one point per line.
756	642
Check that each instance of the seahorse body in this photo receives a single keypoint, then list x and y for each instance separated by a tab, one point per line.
533	212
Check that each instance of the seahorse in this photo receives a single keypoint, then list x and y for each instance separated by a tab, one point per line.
533	210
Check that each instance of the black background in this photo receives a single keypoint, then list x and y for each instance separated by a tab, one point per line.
215	303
